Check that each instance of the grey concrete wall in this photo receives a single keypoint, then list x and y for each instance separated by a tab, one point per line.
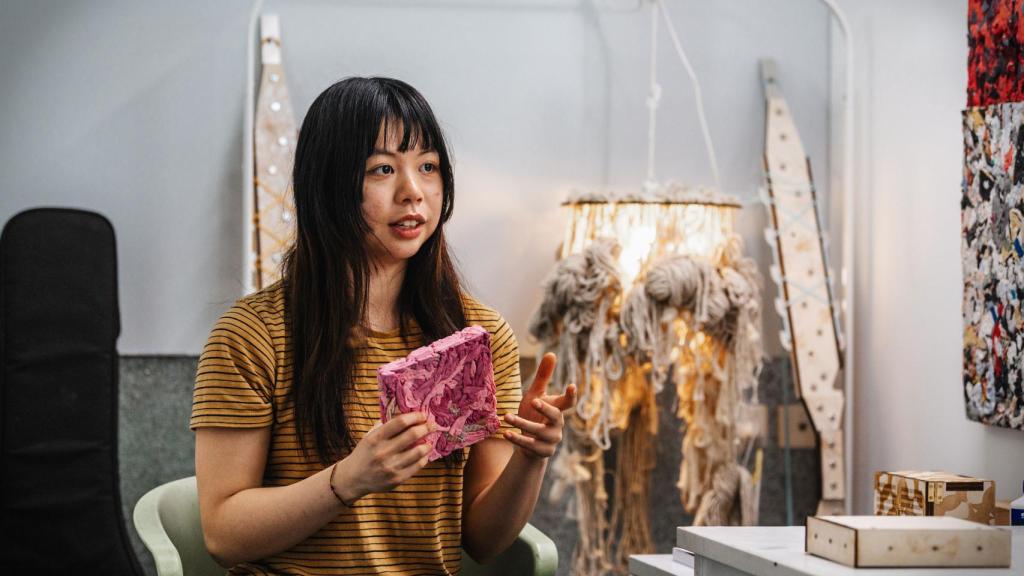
156	446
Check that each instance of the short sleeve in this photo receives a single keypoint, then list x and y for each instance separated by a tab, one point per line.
507	380
505	358
235	379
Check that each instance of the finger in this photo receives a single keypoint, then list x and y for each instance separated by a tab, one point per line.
412	456
418	465
374	431
409	437
544	372
422	462
400	423
403	474
554	415
567	400
535	429
532	445
525	425
547	434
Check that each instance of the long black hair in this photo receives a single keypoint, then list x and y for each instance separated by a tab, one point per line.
326	272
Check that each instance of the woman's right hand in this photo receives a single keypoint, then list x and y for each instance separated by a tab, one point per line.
388	455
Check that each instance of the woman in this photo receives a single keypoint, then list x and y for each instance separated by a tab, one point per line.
295	473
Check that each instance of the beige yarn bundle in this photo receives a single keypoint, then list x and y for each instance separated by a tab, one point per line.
686	321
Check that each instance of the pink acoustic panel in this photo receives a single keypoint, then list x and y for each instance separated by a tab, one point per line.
452	381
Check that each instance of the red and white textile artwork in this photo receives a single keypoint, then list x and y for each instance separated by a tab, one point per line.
992	215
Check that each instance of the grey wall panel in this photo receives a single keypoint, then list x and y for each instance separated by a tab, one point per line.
156	446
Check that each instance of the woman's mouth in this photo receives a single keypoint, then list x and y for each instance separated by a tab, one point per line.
407	228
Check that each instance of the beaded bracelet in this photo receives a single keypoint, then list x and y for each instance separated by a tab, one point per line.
335	492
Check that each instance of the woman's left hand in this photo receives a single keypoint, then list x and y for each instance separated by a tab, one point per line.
540	415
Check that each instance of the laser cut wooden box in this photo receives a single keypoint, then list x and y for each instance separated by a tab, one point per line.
909	493
907	541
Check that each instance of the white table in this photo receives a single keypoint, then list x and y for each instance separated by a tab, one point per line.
779	551
657	565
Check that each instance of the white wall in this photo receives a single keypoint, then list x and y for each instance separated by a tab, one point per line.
134	109
909	408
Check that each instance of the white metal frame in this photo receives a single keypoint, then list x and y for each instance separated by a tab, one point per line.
841	163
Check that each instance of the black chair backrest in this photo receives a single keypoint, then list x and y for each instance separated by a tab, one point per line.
59	322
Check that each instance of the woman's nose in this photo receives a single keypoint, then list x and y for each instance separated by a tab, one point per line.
409	189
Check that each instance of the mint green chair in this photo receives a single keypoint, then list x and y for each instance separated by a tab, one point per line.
167	519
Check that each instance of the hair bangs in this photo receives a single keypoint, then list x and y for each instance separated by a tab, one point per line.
406	110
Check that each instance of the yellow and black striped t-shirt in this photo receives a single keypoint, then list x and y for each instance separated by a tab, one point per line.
243	381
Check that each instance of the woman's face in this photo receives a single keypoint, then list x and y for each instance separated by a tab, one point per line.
402	193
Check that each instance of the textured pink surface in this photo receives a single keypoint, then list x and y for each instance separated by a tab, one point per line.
452	381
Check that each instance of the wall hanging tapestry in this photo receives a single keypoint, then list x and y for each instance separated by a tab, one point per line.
992	216
994	36
992	242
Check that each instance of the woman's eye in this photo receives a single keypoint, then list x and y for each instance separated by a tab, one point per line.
429	168
383	170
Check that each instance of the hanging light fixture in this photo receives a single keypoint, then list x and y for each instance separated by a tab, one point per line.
678	221
660	220
651	288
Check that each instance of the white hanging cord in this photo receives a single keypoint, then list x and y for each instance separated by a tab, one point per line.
653	98
696	90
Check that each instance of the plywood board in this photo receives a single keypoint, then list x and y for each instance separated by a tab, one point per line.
811	332
274	141
792	420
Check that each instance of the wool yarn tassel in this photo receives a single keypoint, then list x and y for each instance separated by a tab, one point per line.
687	321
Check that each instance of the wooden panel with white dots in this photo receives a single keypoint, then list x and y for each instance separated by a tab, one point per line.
832	470
274	142
804	277
803	283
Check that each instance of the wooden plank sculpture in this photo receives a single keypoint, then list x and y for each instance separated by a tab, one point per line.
273	214
810	328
